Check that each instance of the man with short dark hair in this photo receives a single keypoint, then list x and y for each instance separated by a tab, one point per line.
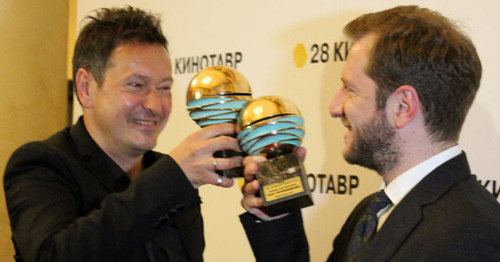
408	82
96	191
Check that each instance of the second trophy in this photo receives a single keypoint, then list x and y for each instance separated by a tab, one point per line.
273	126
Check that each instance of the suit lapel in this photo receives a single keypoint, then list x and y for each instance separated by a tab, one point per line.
407	215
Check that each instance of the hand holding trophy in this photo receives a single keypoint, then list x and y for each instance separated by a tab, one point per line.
273	126
216	95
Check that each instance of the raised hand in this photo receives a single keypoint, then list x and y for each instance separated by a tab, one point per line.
195	155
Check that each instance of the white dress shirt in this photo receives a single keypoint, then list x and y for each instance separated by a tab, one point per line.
401	185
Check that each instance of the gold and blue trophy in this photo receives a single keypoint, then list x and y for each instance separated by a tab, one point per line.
273	127
215	95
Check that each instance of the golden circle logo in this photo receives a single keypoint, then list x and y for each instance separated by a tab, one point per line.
300	55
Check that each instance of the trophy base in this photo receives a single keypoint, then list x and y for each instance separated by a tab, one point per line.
233	172
283	185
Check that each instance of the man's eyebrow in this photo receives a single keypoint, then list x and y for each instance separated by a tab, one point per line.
142	77
146	78
169	79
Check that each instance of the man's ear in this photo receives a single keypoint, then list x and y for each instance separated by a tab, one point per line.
84	80
406	105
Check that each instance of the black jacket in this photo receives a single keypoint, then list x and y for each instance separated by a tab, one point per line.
68	201
448	216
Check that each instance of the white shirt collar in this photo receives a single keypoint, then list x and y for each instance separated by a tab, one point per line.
401	185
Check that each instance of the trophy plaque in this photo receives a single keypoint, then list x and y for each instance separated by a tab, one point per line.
215	95
273	126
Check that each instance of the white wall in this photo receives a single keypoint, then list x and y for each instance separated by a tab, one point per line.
266	33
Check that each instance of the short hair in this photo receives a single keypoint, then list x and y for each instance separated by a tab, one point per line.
419	47
109	28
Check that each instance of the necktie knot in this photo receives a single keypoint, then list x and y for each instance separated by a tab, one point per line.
379	202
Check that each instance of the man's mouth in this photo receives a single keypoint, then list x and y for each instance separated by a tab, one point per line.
346	123
143	122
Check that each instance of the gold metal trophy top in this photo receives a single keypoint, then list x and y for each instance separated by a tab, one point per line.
264	108
216	95
218	81
270	125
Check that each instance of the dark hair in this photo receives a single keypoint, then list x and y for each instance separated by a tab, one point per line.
109	28
418	47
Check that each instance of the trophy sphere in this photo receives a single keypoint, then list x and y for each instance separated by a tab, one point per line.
217	81
269	125
264	108
216	95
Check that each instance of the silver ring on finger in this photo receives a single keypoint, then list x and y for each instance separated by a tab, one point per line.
219	181
214	163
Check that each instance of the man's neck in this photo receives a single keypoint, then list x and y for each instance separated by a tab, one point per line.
136	169
412	157
132	166
130	161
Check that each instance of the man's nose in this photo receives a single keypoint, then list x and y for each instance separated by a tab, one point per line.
337	104
153	101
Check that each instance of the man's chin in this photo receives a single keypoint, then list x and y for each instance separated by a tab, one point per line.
347	154
352	157
144	145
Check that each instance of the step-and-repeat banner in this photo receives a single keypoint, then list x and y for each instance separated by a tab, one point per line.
296	49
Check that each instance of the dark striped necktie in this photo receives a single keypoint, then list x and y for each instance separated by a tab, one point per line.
368	224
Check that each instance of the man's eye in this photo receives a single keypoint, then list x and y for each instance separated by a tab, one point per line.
164	88
350	92
136	85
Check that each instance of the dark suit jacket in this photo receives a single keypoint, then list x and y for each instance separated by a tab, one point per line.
448	216
68	201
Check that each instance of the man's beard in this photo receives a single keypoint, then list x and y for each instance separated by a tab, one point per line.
373	146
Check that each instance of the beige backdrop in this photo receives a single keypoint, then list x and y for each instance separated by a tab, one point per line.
259	38
34	97
33	82
265	34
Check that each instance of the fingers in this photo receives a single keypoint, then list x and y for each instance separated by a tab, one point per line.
211	131
226	163
201	174
254	204
223	164
253	159
251	168
208	141
223	143
301	152
250	189
251	186
223	181
194	155
250	203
